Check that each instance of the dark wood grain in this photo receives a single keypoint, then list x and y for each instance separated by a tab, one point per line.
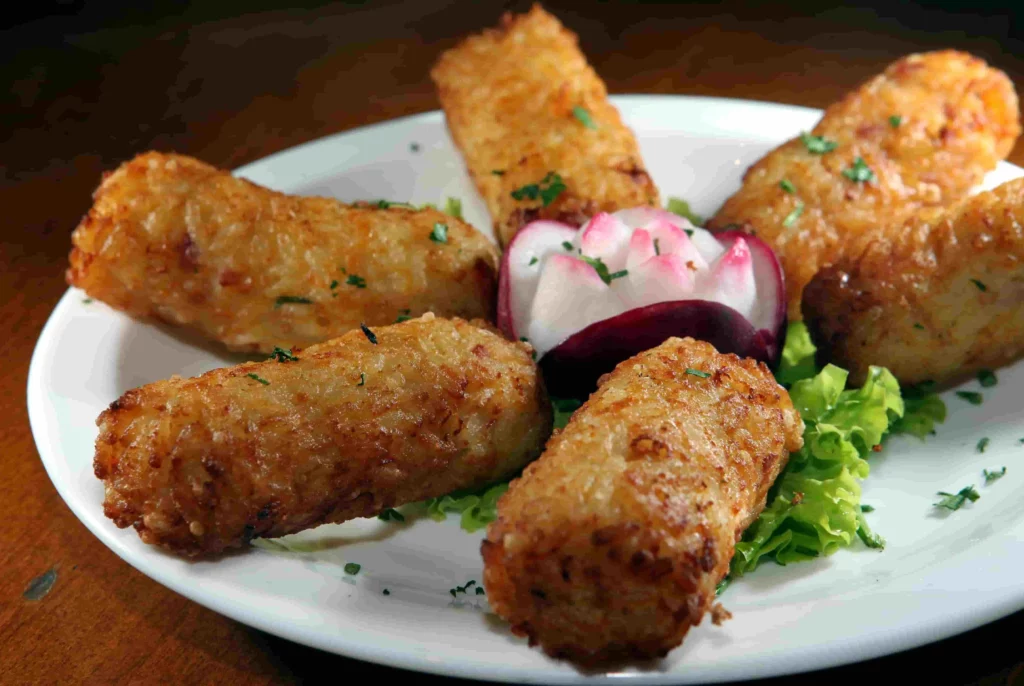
231	82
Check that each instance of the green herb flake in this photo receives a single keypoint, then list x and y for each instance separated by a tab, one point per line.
954	501
722	585
354	280
657	247
787	186
987	378
479	590
439	234
919	325
87	301
979	285
867	508
257	377
386	592
982	444
533	261
334	284
387	204
283	355
352	568
859	172
548	189
602	269
794	215
697	372
362	379
414	146
895	121
498	172
453	208
584	117
682	208
391	515
403	316
970	396
993	475
567	245
370	336
817	145
291	300
866	535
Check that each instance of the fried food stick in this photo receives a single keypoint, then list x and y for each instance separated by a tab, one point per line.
522	104
936	302
172	238
611	544
926	131
356	425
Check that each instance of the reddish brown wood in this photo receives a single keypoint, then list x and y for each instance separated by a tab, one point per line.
230	89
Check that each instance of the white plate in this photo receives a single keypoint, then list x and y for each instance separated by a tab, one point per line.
939	575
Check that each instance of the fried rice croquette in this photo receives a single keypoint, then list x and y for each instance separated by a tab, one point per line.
172	238
356	425
926	131
611	544
523	105
938	301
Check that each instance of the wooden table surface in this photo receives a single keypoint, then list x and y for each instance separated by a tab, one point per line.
232	82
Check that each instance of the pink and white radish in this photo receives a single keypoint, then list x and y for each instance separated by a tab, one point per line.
588	298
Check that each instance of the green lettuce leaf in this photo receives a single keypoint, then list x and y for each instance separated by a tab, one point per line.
797	355
924	410
478	509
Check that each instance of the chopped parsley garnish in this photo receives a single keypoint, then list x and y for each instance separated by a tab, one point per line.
970	396
362	379
370	336
682	208
498	172
415	147
697	372
291	300
257	377
549	188
981	286
334	284
387	592
352	568
865	534
439	234
954	501
867	508
993	475
982	444
357	281
817	145
584	116
919	325
86	301
283	355
987	378
479	590
403	316
464	589
533	261
567	245
657	248
794	215
787	186
453	207
391	515
602	269
895	121
860	172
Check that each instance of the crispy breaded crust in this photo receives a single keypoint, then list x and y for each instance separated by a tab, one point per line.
611	544
508	95
934	302
173	238
350	429
959	118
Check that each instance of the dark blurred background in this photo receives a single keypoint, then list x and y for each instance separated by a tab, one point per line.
89	84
